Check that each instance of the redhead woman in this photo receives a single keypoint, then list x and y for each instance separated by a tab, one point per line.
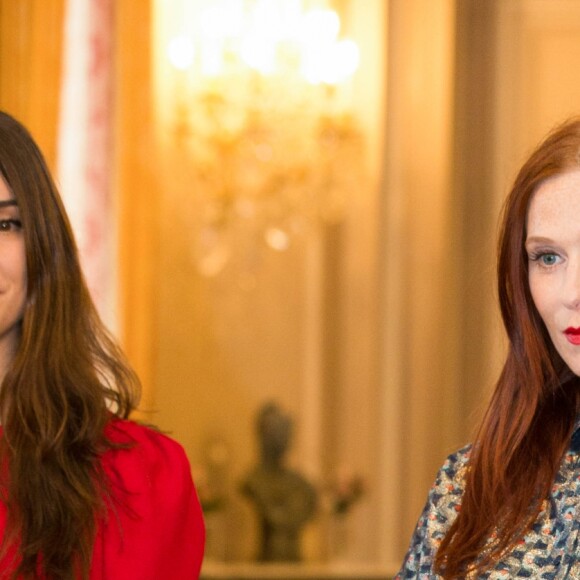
508	506
84	492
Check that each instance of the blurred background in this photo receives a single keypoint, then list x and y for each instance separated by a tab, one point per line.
297	201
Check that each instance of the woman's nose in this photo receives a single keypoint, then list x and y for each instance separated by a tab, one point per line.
572	289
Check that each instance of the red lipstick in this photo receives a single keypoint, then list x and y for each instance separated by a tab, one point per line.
573	335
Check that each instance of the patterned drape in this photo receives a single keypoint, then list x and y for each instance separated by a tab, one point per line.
85	144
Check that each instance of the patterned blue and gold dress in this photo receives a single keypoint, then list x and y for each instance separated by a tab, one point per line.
550	550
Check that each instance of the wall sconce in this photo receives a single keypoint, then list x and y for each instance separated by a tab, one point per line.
262	109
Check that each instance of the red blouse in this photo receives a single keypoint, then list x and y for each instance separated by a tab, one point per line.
155	530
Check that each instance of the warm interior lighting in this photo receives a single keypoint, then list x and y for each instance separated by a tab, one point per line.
181	52
262	108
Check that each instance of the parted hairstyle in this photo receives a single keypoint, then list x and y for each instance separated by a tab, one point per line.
67	379
528	424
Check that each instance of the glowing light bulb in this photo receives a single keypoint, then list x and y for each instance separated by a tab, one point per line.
181	52
259	53
267	19
312	67
233	17
340	62
290	19
348	54
212	58
320	27
330	64
212	23
224	19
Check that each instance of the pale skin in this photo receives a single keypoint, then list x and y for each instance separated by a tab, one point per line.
553	248
12	276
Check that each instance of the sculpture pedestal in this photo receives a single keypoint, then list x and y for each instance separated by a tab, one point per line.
249	571
338	539
216	534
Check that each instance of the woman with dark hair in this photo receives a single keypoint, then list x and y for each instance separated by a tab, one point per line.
84	492
508	506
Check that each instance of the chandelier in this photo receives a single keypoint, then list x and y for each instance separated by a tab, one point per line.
262	112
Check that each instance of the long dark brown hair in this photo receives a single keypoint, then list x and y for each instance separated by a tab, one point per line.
528	424
66	380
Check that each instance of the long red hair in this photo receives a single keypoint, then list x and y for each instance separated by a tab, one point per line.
526	429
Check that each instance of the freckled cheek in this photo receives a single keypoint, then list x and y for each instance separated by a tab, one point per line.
536	291
544	297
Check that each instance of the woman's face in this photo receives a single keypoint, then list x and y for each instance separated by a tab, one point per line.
553	248
12	275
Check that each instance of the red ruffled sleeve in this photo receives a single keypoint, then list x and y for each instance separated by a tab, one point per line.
155	529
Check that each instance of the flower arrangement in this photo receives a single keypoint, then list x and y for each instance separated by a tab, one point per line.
344	491
210	498
210	477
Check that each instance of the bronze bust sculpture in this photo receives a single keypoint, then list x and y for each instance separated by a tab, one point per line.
283	498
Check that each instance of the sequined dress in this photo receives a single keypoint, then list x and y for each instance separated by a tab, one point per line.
550	550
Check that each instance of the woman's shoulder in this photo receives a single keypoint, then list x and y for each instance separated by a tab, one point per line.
440	511
149	487
447	489
144	454
455	466
125	432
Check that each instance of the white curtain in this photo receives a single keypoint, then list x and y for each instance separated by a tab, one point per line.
84	168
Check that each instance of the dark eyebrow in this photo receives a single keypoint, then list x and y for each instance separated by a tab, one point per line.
7	202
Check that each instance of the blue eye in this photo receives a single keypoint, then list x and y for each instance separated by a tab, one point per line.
548	259
545	259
